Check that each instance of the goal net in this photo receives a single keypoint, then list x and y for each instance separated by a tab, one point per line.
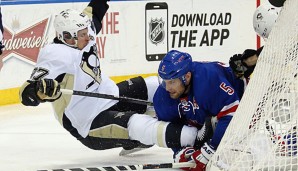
263	133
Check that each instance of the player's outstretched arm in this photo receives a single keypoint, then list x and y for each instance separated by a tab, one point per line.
34	92
96	10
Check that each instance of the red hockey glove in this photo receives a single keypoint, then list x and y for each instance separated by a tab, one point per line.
202	157
184	155
199	167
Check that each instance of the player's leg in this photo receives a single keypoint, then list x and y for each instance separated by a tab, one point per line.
108	130
163	134
133	88
138	88
152	84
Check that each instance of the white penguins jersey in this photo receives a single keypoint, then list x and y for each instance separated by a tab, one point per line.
56	60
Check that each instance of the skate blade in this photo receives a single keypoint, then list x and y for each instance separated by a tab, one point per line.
124	152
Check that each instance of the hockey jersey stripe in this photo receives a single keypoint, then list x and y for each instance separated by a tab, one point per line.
228	110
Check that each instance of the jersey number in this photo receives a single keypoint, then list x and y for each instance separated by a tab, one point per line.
226	88
39	73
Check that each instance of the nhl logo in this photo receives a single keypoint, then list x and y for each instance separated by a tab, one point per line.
156	31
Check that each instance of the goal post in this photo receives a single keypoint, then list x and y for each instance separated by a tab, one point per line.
263	132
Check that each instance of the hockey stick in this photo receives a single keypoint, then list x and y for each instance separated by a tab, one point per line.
106	96
131	167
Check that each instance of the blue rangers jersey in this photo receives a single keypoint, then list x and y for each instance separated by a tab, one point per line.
214	92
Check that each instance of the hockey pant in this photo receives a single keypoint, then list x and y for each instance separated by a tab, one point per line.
149	130
108	130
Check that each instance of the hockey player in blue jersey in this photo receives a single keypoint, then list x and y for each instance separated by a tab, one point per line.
190	93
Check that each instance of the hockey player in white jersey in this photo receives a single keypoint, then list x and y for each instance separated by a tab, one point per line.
71	62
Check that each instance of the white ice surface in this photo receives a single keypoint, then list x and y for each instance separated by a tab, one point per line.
32	139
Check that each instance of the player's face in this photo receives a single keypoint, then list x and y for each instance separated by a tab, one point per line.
83	38
69	40
175	87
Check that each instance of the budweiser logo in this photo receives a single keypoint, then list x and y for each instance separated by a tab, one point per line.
27	42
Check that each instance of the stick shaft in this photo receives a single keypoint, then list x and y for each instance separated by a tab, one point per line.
131	167
106	96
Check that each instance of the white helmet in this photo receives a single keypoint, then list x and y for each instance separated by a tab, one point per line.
264	19
68	22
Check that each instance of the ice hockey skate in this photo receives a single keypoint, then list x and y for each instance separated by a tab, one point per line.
129	150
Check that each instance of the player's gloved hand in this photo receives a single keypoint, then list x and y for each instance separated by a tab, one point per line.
237	65
244	64
48	89
184	155
202	157
1	47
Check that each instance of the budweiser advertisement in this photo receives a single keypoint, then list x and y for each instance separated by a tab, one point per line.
25	43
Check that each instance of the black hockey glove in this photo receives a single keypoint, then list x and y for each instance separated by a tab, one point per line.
239	67
48	89
28	94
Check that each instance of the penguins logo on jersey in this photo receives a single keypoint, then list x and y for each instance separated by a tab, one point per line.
90	65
